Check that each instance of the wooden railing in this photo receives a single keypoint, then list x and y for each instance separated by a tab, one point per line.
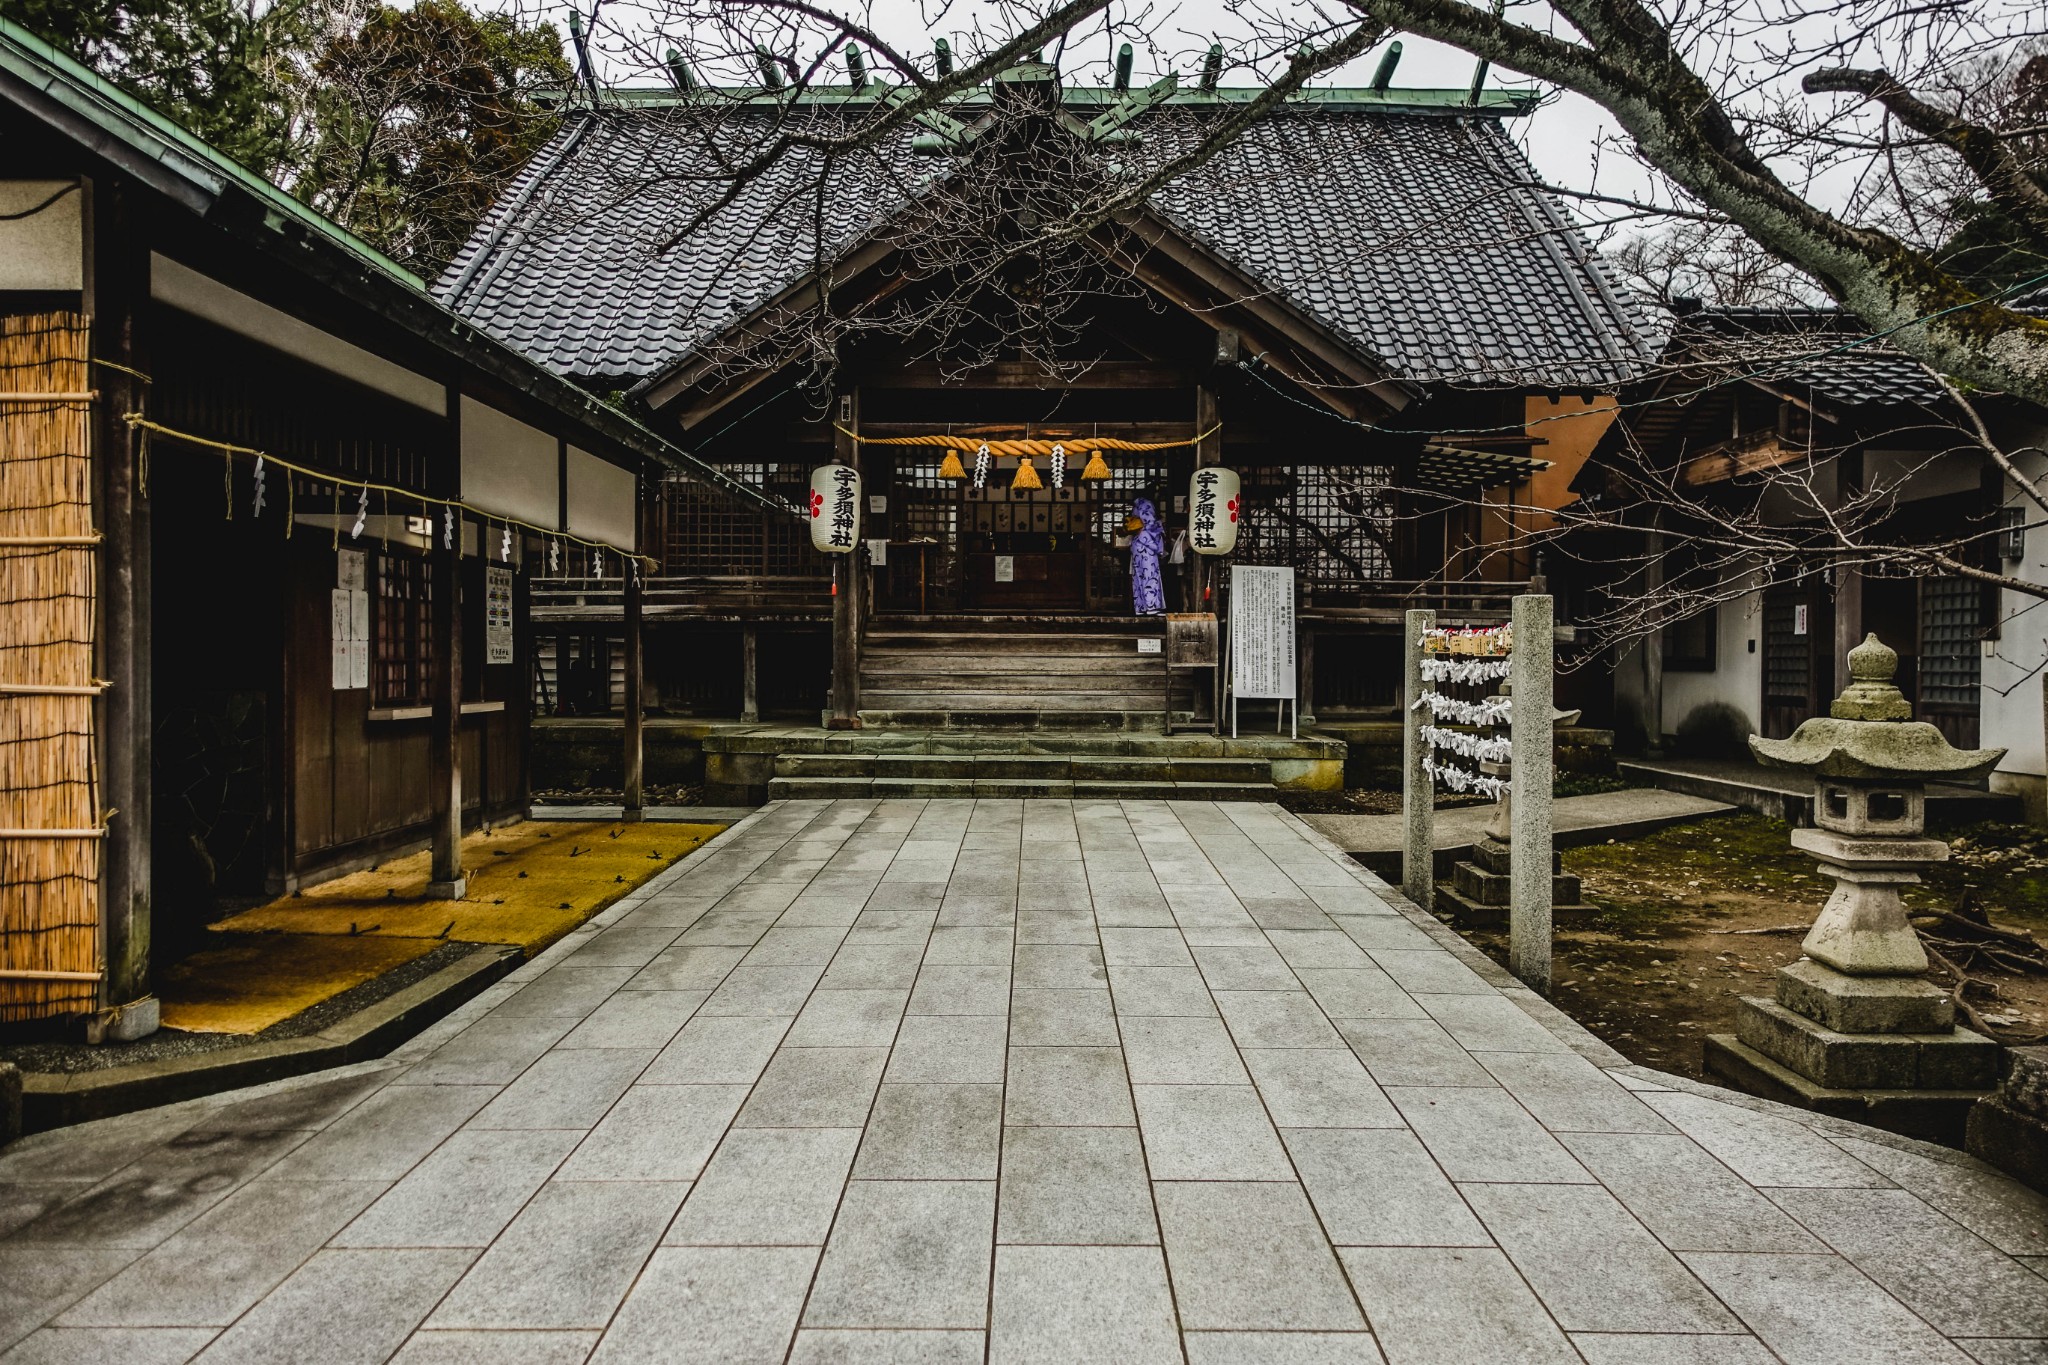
694	597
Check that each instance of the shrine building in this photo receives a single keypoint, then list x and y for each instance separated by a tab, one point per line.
1366	310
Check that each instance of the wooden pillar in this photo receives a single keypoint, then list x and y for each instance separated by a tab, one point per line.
444	729
846	586
1203	569
119	294
634	719
750	672
1653	647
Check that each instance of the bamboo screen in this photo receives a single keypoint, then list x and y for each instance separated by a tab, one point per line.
49	884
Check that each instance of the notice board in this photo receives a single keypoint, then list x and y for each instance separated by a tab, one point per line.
1261	631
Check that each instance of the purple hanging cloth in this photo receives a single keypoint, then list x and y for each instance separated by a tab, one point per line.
1148	594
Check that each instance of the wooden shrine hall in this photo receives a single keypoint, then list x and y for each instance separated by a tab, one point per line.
1364	309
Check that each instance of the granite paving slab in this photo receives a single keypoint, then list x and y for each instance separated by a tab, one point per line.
887	1081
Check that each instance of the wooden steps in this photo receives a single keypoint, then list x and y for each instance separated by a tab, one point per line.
934	678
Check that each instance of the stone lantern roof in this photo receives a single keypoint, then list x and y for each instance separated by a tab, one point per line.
1869	733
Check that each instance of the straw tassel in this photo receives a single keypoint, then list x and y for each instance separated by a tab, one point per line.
949	468
1027	477
1097	468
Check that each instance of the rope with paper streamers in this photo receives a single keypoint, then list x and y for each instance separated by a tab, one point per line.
1485	711
1463	670
365	487
1465	656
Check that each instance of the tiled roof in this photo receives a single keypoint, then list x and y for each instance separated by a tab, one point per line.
1411	235
1821	349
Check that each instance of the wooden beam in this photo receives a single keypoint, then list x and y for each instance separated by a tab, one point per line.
1732	459
1023	374
444	728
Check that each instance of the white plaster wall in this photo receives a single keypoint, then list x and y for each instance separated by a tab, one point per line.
601	500
509	467
45	250
2011	694
1738	676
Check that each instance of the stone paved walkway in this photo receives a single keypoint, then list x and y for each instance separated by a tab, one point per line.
1020	1082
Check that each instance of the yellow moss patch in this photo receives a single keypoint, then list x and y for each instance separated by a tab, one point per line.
528	885
256	980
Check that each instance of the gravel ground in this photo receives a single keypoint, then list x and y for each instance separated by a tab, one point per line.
71	1057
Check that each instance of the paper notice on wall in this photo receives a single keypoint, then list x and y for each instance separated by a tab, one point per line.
1006	568
497	615
338	627
359	619
878	553
350	567
1262	631
358	663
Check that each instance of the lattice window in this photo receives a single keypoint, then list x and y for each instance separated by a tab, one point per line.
1787	655
706	533
404	631
1332	523
1951	652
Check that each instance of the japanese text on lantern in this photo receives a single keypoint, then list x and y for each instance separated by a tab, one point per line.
845	506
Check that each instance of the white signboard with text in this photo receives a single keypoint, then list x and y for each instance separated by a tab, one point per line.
1261	632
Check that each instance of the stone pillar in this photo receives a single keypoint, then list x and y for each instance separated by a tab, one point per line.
1418	792
1530	740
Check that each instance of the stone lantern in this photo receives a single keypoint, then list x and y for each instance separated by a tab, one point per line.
1855	1028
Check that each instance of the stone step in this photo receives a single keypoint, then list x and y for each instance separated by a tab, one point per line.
963	642
838	788
912	713
1032	767
1139	671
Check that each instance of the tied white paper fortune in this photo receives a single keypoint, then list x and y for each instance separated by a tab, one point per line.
1462	669
1464	780
1481	747
362	513
257	508
1485	711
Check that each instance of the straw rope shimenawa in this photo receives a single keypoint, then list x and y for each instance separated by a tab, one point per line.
1024	450
50	821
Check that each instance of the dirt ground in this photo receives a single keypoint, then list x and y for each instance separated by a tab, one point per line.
1672	943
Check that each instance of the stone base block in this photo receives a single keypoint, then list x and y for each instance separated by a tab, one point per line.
1931	1115
1955	1060
1466	912
1864	1004
127	1023
453	890
1477	884
1493	856
10	1102
2015	1142
2025	1087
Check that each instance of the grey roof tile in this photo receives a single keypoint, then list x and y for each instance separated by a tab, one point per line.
1414	237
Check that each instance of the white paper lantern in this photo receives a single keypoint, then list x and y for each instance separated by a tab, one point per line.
1213	507
835	508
